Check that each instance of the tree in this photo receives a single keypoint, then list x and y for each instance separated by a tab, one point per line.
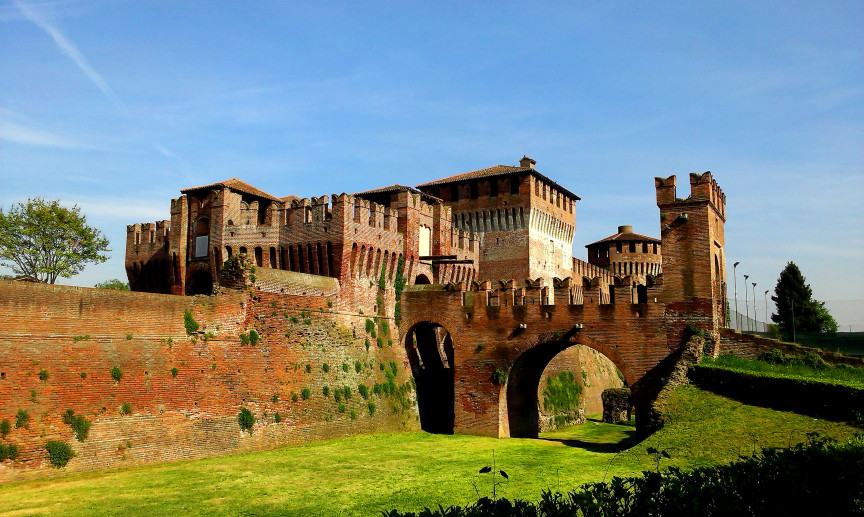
114	283
791	292
44	240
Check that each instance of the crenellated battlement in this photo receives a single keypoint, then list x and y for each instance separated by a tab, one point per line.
702	188
148	235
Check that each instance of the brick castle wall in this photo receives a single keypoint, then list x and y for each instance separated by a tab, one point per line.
78	335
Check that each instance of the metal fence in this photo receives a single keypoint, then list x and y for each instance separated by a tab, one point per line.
743	323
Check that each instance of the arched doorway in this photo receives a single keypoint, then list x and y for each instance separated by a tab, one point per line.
421	279
430	352
200	283
526	405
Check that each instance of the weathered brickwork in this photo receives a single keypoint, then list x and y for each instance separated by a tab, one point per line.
78	335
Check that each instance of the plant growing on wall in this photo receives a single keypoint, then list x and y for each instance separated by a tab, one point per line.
116	373
125	408
5	427
190	323
78	423
254	337
174	372
59	453
43	375
305	393
499	376
398	284
246	419
22	419
9	451
561	393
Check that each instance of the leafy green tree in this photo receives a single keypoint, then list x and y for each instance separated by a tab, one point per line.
114	283
44	240
793	293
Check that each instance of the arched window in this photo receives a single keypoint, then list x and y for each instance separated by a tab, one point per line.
202	237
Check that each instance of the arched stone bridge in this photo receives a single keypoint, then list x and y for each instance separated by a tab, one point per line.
460	341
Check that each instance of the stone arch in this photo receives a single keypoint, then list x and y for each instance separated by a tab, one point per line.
523	381
429	347
421	279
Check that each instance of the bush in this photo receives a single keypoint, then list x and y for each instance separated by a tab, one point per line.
370	407
244	339
293	397
59	453
370	326
245	419
308	368
326	391
346	392
358	366
364	391
190	323
43	375
325	367
345	367
125	409
305	393
277	417
254	337
22	419
78	423
116	373
8	452
174	372
353	415
499	376
5	427
341	408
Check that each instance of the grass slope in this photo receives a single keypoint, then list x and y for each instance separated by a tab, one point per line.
840	374
364	475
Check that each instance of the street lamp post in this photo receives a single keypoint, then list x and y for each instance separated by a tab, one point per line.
766	309
746	302
755	327
735	277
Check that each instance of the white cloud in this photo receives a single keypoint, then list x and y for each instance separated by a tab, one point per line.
24	135
69	48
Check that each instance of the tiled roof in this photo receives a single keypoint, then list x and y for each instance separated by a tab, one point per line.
625	237
395	188
497	170
237	185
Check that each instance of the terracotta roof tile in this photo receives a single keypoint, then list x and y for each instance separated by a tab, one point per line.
625	237
237	185
497	170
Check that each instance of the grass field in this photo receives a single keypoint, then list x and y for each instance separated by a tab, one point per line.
364	475
840	374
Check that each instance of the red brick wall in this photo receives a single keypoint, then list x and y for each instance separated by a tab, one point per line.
195	413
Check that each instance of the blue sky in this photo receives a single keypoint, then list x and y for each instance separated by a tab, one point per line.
116	105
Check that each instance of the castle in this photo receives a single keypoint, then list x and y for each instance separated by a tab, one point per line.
443	307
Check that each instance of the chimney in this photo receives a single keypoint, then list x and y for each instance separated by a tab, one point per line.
625	229
527	163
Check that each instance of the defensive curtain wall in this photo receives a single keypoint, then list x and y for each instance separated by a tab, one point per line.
155	388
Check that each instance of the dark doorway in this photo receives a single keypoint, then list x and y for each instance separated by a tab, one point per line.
421	279
430	351
200	283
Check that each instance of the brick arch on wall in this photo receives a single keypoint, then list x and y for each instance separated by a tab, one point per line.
430	352
526	370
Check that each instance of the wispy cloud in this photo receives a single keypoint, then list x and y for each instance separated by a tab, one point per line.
25	135
67	47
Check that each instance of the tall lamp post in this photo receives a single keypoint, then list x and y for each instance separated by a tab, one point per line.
755	327
766	309
746	302
735	277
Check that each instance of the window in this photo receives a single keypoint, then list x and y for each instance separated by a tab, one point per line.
493	187
474	190
202	237
632	246
618	247
514	185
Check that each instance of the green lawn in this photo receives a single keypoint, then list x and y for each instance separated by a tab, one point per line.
363	475
793	369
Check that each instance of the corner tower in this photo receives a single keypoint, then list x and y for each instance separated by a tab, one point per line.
694	258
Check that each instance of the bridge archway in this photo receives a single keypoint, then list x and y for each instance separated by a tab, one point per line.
523	404
200	283
429	347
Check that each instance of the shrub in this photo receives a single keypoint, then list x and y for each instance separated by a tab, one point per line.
125	408
129	337
364	391
337	396
78	423
43	375
773	356
293	397
254	337
277	417
245	419
5	427
22	419
190	323
358	366
305	393
499	376
346	392
692	330
345	367
370	326
293	319
174	372
325	367
379	342
83	375
308	368
326	391
366	344
59	453
116	373
385	328
9	452
353	415
370	407
341	408
274	398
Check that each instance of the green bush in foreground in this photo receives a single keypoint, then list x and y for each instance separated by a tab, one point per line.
245	419
59	453
816	478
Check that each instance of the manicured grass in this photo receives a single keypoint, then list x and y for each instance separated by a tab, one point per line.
364	475
841	374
